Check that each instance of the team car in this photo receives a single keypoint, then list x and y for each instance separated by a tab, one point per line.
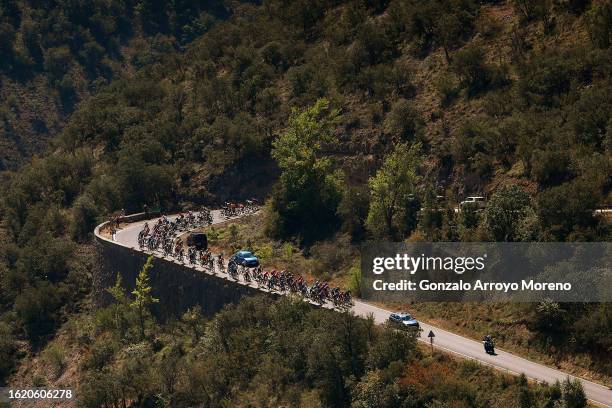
404	319
245	258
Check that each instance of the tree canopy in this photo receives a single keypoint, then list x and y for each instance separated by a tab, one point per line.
392	189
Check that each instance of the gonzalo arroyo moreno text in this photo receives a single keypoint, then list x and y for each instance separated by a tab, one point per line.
459	265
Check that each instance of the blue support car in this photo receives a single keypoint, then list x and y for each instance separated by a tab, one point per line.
245	258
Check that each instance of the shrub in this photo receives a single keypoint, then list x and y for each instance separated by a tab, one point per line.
569	208
331	256
489	26
264	252
599	24
375	81
287	252
213	235
551	167
532	9
573	393
471	67
474	145
55	357
353	210
355	279
447	88
575	6
403	122
234	234
551	74
299	79
507	207
376	43
8	347
84	217
57	62
442	23
591	117
36	310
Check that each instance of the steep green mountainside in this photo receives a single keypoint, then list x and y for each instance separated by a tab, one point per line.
317	105
496	97
53	53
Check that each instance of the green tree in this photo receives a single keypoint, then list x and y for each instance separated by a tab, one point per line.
57	62
84	213
374	392
431	216
305	199
355	281
573	394
391	190
36	309
471	66
117	291
550	318
599	24
193	318
592	330
508	206
142	295
568	209
403	122
120	311
8	346
353	210
392	345
448	33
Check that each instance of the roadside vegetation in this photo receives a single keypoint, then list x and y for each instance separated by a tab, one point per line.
350	117
273	353
55	53
567	336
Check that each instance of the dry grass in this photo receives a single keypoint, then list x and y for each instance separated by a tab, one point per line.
507	322
328	260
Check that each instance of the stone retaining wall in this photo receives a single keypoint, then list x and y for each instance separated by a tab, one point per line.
177	286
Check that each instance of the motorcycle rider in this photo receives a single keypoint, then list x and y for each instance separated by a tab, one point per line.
489	344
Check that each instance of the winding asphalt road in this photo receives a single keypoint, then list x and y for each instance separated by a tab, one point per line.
445	340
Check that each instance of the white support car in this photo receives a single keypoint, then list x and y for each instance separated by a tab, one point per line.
476	202
404	319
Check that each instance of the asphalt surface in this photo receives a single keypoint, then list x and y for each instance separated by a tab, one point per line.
444	340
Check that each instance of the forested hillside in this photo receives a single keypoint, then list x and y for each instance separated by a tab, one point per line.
284	353
326	108
53	53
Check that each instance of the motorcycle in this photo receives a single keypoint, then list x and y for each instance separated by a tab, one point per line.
489	347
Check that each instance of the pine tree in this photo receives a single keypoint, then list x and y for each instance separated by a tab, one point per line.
117	291
142	295
573	394
121	307
193	318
